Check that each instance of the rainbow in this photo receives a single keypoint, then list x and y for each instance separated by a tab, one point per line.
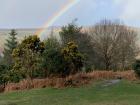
56	16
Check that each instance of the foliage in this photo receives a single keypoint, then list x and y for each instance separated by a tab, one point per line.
73	58
69	33
136	67
10	45
52	59
107	46
3	74
27	56
72	32
7	61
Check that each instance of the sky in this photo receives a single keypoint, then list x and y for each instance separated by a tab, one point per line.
36	13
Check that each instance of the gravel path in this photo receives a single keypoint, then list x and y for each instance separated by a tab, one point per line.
110	82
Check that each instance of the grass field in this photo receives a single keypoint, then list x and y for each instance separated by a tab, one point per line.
122	93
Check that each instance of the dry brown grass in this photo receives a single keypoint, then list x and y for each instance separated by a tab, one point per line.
70	81
99	75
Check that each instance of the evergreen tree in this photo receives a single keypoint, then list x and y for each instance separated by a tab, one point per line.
72	32
52	59
6	62
10	45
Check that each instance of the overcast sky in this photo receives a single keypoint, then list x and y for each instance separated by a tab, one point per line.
34	13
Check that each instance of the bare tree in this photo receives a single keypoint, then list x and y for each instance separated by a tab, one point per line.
127	49
115	43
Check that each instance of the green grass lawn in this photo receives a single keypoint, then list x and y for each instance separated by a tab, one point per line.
123	93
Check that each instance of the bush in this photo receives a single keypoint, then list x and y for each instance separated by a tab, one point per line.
73	58
57	61
26	56
52	59
136	67
3	74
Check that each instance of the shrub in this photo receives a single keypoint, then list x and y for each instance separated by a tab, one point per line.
3	73
52	59
27	56
61	61
73	58
136	67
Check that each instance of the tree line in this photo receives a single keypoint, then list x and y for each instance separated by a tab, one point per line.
107	45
